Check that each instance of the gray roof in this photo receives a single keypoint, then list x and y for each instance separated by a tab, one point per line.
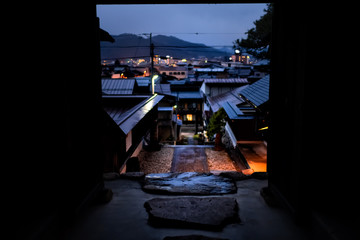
262	62
234	112
232	96
209	69
163	89
117	86
143	81
258	92
126	117
187	95
234	102
225	80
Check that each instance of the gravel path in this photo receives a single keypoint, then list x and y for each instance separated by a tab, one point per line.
161	161
219	160
156	162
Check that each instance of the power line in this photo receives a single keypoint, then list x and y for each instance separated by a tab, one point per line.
201	33
172	46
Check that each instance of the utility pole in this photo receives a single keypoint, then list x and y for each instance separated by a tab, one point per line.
151	61
152	65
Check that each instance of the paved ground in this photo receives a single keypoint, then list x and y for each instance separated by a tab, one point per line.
125	217
189	158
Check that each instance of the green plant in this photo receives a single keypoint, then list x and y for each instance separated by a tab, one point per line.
217	123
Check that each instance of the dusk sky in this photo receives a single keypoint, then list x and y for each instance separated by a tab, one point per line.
216	24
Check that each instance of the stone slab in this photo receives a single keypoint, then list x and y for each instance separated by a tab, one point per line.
211	213
189	159
193	237
188	183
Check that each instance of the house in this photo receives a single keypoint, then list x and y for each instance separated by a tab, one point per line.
178	72
241	71
243	58
167	126
212	86
217	102
189	103
211	72
247	110
129	121
260	70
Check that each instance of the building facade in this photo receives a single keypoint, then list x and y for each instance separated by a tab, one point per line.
178	72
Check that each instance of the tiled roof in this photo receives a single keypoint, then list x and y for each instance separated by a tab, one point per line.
163	89
232	96
234	112
209	69
187	95
233	101
258	92
225	80
117	86
127	116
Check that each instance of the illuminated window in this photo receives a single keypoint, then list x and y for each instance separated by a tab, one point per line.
189	117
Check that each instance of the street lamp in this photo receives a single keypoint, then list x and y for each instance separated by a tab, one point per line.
153	83
238	54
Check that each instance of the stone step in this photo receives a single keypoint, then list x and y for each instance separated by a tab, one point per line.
210	213
193	237
188	183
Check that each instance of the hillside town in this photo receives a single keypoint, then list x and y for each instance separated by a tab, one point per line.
167	101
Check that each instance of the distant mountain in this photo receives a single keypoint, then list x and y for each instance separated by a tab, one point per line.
132	46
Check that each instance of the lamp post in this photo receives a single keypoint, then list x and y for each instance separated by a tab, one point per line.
153	78
238	54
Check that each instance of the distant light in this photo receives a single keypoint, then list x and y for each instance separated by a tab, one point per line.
264	128
237	51
184	60
167	56
230	58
